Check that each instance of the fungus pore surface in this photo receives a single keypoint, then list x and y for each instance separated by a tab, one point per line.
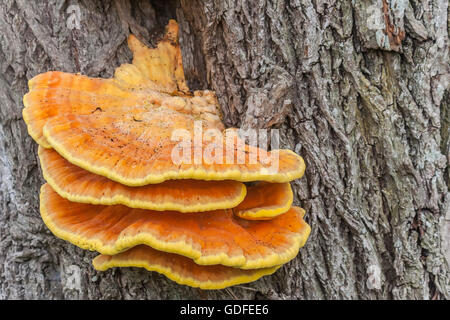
180	269
209	238
78	185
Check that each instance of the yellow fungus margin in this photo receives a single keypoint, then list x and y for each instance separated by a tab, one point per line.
147	205
38	137
103	263
196	174
267	213
139	204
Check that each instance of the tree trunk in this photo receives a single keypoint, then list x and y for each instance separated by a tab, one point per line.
360	89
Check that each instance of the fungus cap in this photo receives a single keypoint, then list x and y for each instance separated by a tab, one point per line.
180	269
122	128
58	93
212	237
139	152
78	185
155	78
265	200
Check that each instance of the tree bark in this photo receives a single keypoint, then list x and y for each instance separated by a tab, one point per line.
360	89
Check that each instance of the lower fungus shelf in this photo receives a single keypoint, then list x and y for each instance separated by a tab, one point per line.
180	269
78	185
265	201
209	238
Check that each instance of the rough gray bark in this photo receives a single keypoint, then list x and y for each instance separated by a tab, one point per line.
360	89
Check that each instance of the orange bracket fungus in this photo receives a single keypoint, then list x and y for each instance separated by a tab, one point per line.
180	269
143	171
212	237
123	128
265	201
79	185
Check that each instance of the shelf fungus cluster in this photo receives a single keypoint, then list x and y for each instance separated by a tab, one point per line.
106	147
